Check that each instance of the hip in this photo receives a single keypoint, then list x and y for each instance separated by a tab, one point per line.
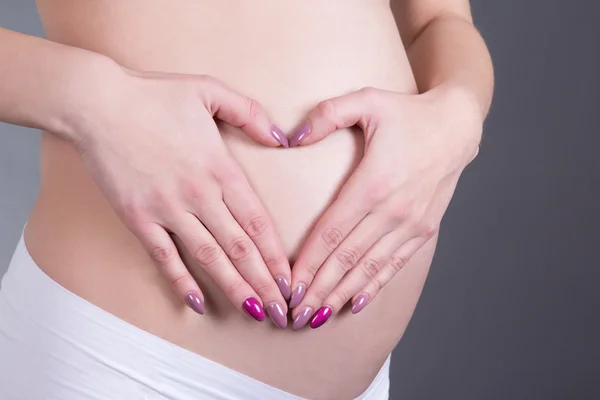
77	240
72	350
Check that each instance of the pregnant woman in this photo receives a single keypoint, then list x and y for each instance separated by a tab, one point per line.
219	177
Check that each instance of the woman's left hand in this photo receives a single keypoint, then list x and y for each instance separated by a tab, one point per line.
416	147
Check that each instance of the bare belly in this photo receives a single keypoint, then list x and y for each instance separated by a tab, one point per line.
288	56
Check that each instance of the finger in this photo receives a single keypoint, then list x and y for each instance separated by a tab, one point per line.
330	231
336	113
404	252
248	211
245	257
341	262
394	265
210	257
475	154
338	221
165	256
368	266
240	111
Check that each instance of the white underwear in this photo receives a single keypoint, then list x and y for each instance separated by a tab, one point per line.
55	345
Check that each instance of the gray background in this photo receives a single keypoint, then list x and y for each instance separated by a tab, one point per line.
510	310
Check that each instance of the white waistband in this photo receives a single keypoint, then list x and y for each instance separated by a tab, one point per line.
56	345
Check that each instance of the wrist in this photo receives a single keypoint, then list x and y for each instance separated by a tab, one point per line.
460	98
459	104
89	90
459	109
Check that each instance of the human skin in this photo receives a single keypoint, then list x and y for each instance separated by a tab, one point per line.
76	236
394	202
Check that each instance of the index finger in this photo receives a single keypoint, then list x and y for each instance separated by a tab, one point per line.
249	212
241	111
336	113
331	230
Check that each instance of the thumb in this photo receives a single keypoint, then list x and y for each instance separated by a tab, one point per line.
333	114
240	111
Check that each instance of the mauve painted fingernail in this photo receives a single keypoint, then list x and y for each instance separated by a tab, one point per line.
253	308
284	287
321	317
277	315
194	301
302	318
298	295
300	134
279	136
361	301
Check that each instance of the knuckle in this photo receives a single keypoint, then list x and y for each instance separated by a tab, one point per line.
256	226
254	110
379	189
332	237
239	248
133	214
205	84
414	224
273	262
347	258
227	174
167	208
377	285
180	280
195	193
476	152
205	81
401	213
342	296
232	288
161	254
207	254
368	92
264	290
397	263
370	268
320	294
326	109
312	268
429	229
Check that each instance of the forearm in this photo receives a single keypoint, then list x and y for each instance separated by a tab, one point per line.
450	51
50	86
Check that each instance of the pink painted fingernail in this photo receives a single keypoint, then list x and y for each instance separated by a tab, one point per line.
300	134
361	301
253	308
284	287
321	317
302	318
194	301
279	136
298	295
277	315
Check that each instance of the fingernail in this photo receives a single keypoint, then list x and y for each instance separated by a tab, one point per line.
298	295
284	287
194	302
361	301
300	134
253	308
277	315
302	318
321	317
279	136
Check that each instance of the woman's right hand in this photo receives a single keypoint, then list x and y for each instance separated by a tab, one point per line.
157	155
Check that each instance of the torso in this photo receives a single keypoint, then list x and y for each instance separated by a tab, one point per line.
288	56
